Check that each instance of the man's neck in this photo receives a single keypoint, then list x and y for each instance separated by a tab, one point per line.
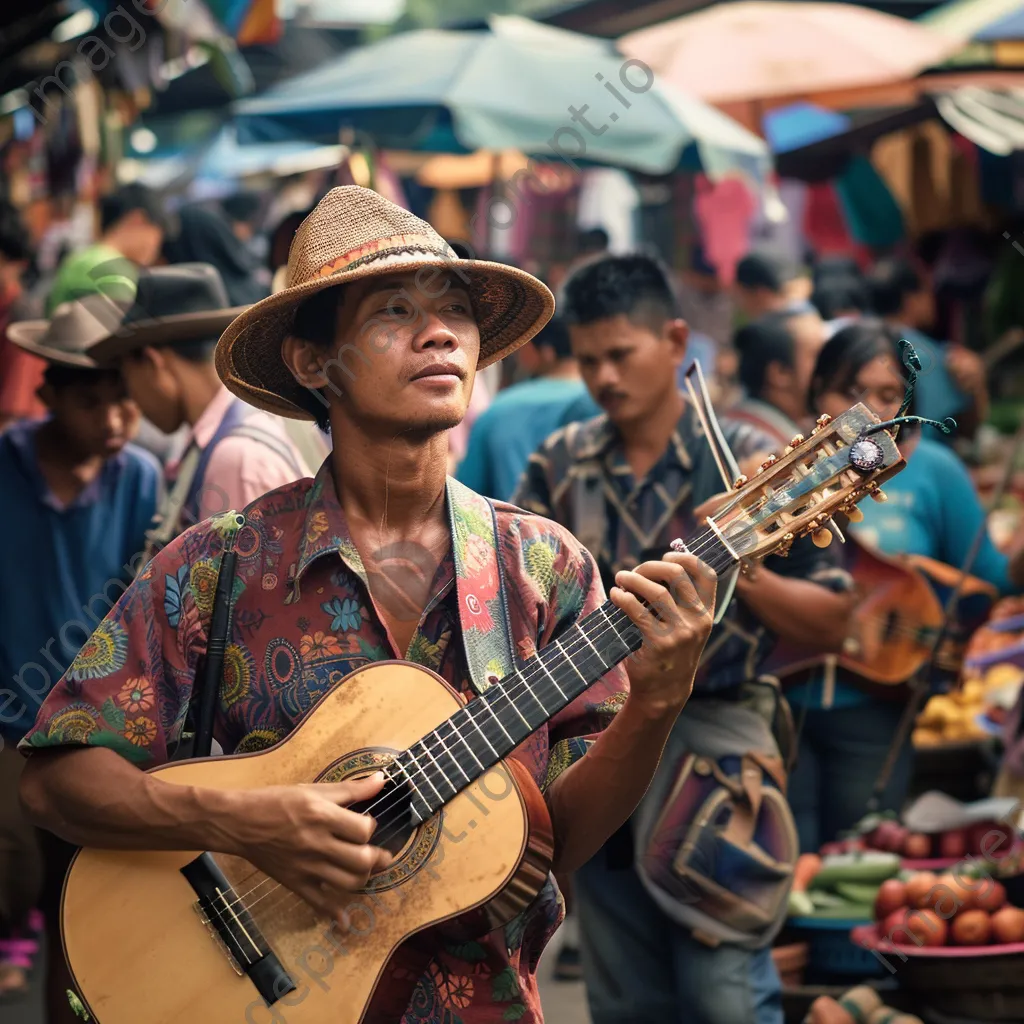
646	438
201	387
394	486
111	240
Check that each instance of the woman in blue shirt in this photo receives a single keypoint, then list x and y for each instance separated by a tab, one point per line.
932	510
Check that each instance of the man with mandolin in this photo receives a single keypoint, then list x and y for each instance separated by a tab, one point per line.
378	334
660	927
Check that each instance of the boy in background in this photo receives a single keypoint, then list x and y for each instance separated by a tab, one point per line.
76	502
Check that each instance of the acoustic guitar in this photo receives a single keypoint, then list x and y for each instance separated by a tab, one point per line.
166	937
899	613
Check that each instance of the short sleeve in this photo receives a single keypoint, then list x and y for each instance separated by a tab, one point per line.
577	590
128	688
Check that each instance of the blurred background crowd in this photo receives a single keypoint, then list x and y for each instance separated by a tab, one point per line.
803	185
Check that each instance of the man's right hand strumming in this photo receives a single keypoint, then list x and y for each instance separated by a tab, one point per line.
307	839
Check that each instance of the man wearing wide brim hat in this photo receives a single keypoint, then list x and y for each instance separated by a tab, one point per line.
164	344
75	501
380	332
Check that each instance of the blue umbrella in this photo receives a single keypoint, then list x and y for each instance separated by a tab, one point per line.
519	85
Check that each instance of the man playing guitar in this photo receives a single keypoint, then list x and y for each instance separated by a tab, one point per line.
379	334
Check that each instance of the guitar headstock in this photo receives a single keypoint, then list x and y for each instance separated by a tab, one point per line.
799	491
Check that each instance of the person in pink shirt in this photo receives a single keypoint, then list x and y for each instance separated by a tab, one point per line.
164	344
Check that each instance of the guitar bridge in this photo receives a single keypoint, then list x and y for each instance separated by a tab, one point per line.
224	912
221	944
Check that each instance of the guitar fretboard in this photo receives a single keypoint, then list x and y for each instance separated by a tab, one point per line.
465	746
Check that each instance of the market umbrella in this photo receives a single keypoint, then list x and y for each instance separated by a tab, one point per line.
519	85
757	50
986	21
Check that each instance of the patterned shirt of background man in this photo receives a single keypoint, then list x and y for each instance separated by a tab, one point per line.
304	618
641	518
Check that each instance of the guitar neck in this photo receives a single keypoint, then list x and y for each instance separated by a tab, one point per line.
460	750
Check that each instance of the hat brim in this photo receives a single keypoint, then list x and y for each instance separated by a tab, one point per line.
28	335
168	330
510	305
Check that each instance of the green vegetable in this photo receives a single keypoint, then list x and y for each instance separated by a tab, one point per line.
861	868
820	898
851	911
800	905
857	892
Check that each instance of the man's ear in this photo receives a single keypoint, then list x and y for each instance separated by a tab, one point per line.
306	361
678	332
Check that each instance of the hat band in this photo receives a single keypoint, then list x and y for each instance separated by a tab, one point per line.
378	244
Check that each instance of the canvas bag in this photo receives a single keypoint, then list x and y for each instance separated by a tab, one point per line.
715	840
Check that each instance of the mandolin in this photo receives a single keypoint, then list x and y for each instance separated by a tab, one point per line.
164	937
898	616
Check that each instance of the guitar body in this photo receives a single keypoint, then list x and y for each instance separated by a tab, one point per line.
899	611
138	949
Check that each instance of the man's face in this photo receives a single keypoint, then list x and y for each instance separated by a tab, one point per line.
140	238
154	388
97	417
405	352
629	368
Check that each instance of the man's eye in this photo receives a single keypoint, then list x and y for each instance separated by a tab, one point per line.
458	307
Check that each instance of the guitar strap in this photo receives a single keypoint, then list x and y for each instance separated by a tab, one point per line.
480	585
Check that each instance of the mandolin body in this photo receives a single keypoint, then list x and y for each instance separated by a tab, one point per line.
140	953
900	603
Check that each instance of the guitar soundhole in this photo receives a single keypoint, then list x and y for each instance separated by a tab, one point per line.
392	808
410	841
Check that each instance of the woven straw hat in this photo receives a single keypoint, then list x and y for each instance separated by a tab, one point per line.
354	233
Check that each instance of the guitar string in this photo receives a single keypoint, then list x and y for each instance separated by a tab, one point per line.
396	800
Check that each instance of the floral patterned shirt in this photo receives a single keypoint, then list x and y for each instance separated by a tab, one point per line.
303	618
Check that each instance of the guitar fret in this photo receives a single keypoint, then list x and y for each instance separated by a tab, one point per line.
441	771
451	757
502	691
462	740
487	705
554	683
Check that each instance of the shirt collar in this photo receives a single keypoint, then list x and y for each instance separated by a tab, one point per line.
326	528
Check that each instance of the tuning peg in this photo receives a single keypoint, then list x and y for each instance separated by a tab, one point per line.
798	439
739	482
880	496
854	514
822	538
823	420
768	463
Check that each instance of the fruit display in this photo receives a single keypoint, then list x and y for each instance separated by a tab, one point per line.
953	717
991	840
965	908
840	886
861	1005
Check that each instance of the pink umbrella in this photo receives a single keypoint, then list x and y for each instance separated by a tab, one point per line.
755	50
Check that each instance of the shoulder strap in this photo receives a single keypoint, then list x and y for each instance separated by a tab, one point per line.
271	441
480	585
233	418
